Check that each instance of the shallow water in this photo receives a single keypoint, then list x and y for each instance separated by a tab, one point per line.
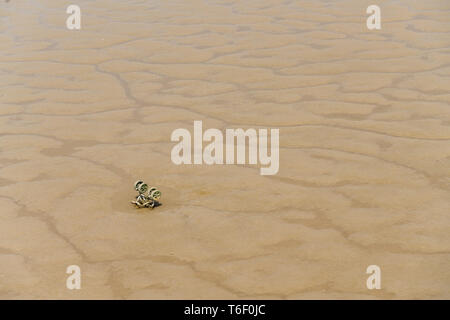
364	123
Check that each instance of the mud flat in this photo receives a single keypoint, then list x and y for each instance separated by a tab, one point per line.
363	178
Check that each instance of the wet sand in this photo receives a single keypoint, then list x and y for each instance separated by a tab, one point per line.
364	121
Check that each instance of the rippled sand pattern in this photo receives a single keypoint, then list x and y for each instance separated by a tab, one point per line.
364	174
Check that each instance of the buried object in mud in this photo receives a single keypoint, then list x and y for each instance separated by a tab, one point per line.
143	200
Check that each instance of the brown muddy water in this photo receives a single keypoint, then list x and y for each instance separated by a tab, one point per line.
364	176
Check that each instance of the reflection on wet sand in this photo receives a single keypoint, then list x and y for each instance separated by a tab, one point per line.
364	124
